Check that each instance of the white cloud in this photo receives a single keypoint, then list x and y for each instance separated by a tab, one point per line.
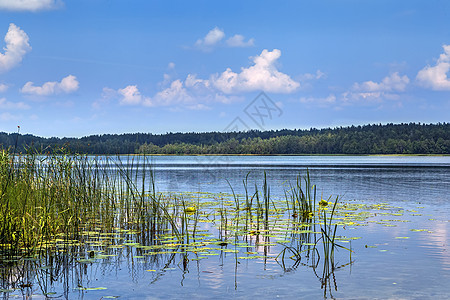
193	82
8	117
193	94
436	77
3	87
107	95
130	95
197	93
326	101
238	41
204	90
171	65
11	105
308	76
30	5
388	88
213	37
176	93
262	76
198	106
67	85
16	47
391	83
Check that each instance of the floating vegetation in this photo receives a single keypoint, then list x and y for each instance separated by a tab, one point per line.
91	289
62	213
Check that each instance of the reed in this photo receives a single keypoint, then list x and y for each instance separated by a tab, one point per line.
43	197
57	207
302	199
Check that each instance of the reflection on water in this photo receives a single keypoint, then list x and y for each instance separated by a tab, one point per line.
399	252
390	179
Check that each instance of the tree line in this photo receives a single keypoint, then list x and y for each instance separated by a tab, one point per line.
410	138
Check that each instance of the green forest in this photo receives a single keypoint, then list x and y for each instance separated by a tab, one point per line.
411	138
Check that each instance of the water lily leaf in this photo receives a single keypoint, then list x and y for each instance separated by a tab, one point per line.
91	289
132	244
199	258
251	257
86	261
284	241
104	256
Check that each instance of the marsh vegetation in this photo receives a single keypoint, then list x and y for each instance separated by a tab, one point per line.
63	215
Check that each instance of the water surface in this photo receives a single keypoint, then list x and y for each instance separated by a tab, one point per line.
401	253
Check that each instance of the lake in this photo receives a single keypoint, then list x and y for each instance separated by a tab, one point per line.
399	236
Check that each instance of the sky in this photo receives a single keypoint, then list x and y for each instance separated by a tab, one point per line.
81	67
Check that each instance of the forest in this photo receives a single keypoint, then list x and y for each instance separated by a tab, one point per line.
404	138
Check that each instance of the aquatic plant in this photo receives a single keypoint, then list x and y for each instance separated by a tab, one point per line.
66	212
45	196
302	200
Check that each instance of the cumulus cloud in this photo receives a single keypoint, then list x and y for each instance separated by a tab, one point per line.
176	93
214	36
192	93
67	85
30	5
391	83
238	41
3	87
261	76
367	92
11	105
388	88
197	93
435	77
16	47
130	95
199	84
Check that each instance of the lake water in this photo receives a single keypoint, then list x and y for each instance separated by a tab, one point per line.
400	252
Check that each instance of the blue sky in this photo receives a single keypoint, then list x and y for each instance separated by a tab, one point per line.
81	67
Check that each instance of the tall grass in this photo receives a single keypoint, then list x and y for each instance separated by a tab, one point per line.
43	197
302	198
73	199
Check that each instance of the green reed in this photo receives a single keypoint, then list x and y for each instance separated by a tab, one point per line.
44	197
302	199
60	206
